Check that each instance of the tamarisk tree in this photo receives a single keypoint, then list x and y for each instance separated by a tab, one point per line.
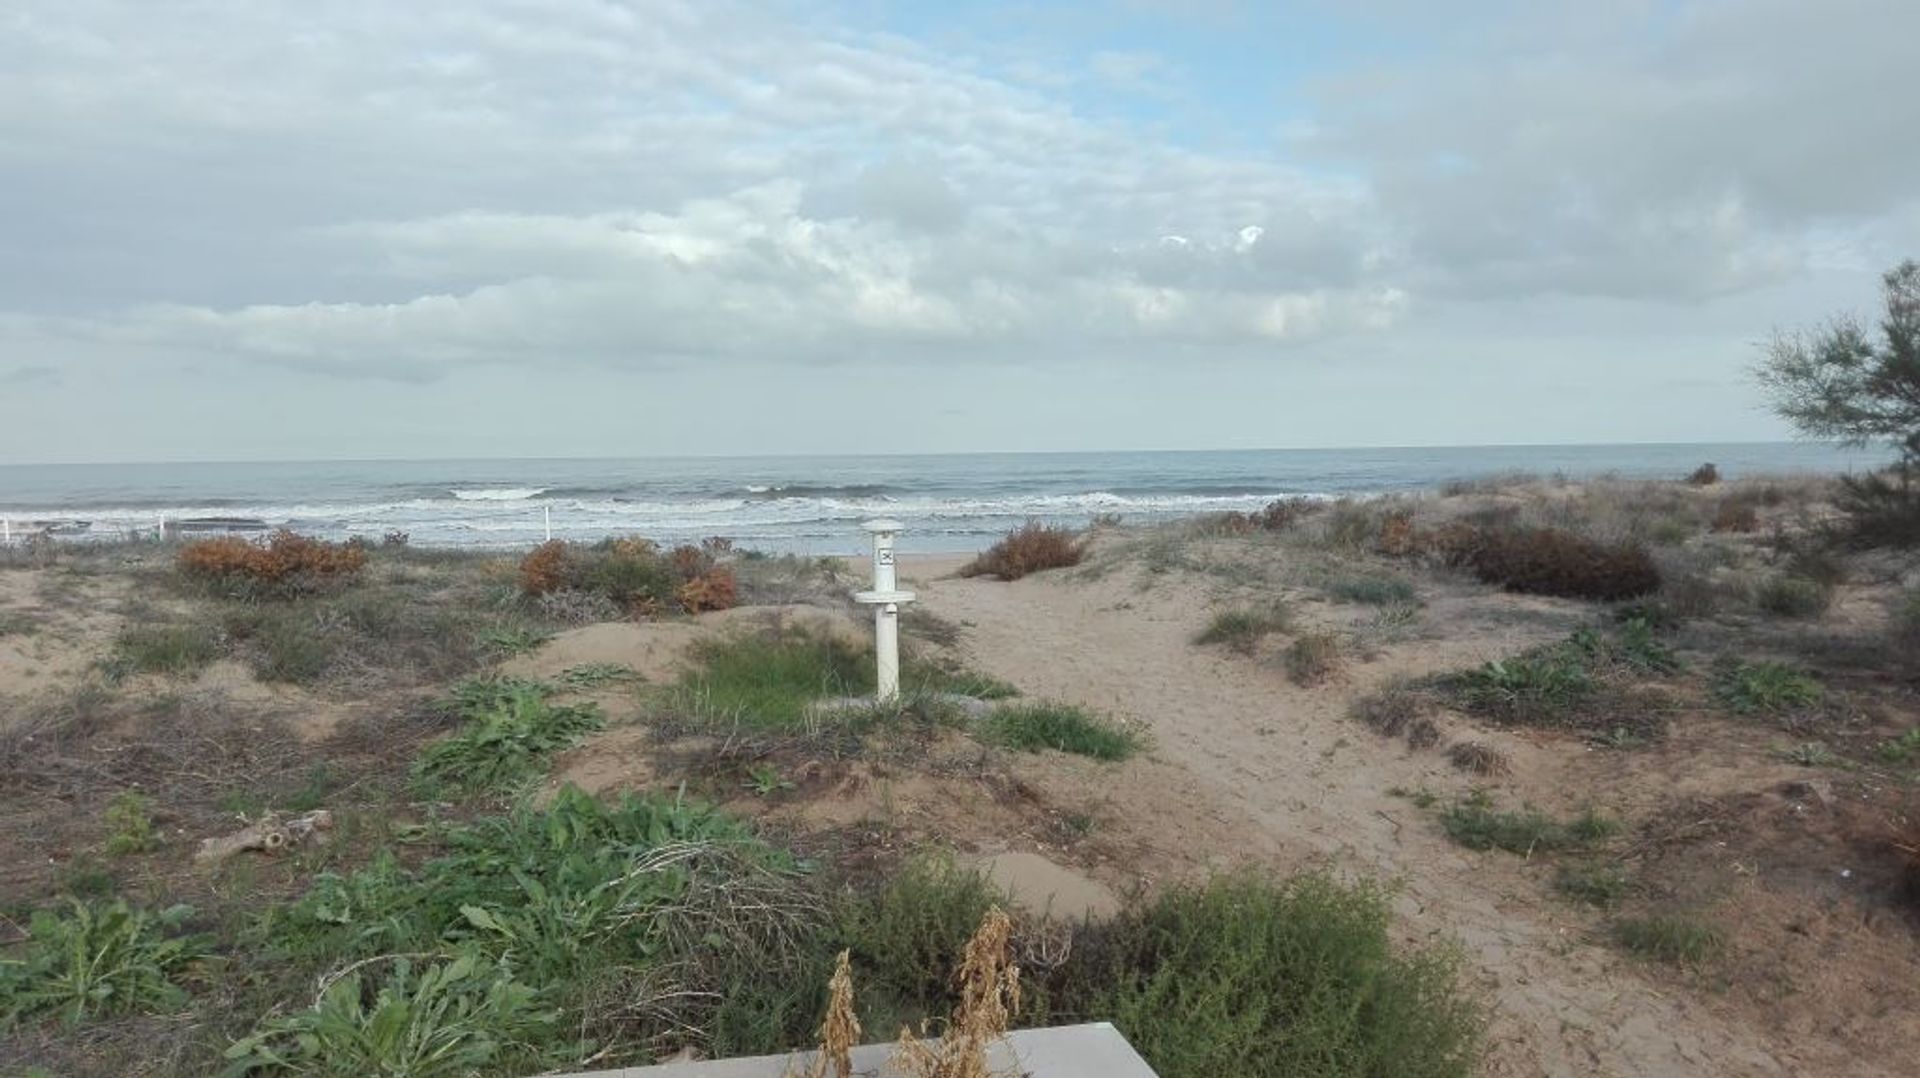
1847	384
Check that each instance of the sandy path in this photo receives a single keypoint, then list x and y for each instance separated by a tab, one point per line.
1298	784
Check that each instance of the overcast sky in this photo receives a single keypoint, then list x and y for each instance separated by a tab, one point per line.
257	229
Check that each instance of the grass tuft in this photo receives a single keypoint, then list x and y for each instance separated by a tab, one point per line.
1477	825
1600	884
1792	597
1676	938
164	649
1242	629
1062	727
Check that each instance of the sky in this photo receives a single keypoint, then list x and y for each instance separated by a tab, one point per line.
257	229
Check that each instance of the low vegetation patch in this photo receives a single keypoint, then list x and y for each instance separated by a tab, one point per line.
1476	824
633	574
93	959
1580	682
1765	688
285	566
1249	976
1062	727
771	680
1373	589
164	649
1676	938
1792	597
1243	628
414	1016
1600	884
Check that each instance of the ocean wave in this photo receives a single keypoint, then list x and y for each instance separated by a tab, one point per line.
497	494
772	491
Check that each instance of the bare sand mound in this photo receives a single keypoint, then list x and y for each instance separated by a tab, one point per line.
657	649
1040	886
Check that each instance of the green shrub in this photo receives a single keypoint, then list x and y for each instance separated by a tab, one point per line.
513	639
1477	825
507	738
1245	976
1063	727
1900	750
1680	939
165	649
1792	597
96	959
129	825
904	936
1242	629
1373	589
1748	688
439	1019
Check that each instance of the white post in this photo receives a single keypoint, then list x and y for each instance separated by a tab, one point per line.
547	511
6	532
885	598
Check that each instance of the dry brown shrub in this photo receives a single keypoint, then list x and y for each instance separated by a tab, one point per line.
840	1030
547	568
1705	475
1735	515
1030	548
1398	536
989	986
1549	561
1478	759
689	561
1283	513
715	589
286	563
1313	658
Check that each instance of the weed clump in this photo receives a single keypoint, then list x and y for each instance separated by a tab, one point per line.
285	566
1064	728
1770	687
1030	548
1600	884
437	1018
1550	561
94	959
511	731
1705	475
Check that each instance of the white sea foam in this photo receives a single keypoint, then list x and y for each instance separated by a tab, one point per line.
498	494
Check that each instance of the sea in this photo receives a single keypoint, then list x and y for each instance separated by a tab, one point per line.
950	502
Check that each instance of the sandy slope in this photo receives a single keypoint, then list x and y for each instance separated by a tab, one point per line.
1279	776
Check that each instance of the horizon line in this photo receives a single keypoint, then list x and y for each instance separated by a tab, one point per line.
908	455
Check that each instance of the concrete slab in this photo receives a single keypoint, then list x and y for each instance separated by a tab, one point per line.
1089	1051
